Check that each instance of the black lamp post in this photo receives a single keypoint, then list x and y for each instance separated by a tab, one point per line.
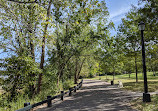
146	95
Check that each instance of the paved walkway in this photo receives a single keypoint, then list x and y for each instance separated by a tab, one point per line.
95	95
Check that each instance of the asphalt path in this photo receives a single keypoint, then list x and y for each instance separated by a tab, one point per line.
95	95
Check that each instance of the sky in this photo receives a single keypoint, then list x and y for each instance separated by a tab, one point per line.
117	10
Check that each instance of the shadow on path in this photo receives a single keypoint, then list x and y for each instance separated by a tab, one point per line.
95	96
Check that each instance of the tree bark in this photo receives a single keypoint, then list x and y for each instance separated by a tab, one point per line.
114	73
43	47
80	68
76	69
136	67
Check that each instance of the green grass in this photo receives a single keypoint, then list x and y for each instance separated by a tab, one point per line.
150	106
133	86
12	106
130	83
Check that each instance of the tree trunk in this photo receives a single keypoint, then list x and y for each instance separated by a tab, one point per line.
129	75
75	76
31	46
114	73
136	67
43	47
106	76
154	72
80	68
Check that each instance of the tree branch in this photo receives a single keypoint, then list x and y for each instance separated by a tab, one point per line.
17	1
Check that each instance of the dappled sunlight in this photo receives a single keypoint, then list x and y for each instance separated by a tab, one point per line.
95	95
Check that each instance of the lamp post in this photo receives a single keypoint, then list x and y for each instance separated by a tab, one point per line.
146	95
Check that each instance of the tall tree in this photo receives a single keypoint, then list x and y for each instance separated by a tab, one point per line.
129	30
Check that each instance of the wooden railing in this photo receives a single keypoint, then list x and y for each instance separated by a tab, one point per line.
49	99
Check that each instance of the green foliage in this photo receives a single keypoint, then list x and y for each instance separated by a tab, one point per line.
67	84
1	81
128	30
90	75
21	73
67	33
19	103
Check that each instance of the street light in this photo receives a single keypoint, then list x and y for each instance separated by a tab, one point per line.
146	95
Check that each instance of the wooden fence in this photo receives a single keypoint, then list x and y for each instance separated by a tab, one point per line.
49	99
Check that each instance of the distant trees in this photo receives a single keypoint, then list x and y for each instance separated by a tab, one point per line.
122	53
129	31
149	16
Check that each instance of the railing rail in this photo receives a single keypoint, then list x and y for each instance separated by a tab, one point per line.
27	107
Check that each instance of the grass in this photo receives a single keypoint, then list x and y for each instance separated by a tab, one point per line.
151	106
130	83
21	99
133	86
12	106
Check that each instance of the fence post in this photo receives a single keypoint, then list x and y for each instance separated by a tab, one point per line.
74	88
62	95
80	85
81	82
26	104
49	102
112	82
77	86
70	93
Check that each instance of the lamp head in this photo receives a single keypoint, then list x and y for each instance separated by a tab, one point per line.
141	26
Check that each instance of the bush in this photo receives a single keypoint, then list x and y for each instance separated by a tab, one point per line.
90	75
67	84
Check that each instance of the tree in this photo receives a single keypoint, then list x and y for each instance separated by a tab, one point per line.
149	16
129	31
75	33
19	31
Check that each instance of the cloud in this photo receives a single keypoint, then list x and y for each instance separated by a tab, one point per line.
118	18
120	12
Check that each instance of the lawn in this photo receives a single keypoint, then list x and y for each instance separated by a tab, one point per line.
151	106
130	83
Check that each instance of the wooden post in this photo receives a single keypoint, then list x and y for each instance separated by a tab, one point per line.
62	95
81	82
70	93
49	102
80	85
112	82
26	104
74	88
77	86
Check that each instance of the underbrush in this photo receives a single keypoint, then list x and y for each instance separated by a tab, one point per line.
21	98
16	104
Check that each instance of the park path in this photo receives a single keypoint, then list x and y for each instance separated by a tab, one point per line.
95	95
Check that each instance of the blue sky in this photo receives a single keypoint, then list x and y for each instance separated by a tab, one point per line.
118	9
